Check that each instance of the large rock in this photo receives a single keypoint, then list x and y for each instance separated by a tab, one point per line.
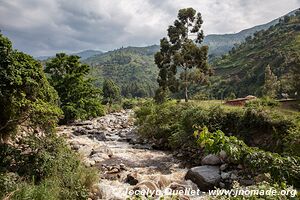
211	160
206	177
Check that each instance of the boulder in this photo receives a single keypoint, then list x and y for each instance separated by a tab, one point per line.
225	175
223	155
205	177
132	178
223	167
211	160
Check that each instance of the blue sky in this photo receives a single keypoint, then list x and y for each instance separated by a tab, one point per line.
44	27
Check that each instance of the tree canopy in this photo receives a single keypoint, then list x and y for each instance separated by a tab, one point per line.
180	52
111	92
79	98
25	94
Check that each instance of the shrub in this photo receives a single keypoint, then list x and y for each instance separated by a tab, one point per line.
130	103
262	102
47	169
173	122
280	167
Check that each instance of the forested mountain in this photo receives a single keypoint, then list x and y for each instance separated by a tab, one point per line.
132	68
220	44
82	54
242	71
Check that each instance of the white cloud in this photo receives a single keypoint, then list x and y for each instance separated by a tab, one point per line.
42	27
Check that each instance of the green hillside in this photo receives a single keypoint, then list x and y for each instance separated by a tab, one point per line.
132	68
220	44
242	70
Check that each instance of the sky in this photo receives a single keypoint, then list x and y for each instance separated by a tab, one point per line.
45	27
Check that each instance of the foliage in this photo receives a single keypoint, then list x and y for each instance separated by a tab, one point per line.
131	68
242	71
280	167
262	102
180	51
175	122
111	92
79	98
270	86
25	94
48	170
131	103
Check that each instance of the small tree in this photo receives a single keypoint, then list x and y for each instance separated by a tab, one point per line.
181	50
111	92
80	99
271	85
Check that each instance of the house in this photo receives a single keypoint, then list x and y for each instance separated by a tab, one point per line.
240	101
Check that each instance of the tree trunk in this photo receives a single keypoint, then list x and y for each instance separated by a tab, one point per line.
186	94
186	98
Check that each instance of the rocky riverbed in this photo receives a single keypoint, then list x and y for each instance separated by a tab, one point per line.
125	163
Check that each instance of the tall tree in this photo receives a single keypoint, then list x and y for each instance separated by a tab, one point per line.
181	49
80	99
25	94
271	85
111	92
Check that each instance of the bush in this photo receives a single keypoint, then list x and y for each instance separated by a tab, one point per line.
47	169
280	167
129	103
263	102
173	122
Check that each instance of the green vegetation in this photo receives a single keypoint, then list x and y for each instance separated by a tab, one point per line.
36	164
273	136
242	71
79	98
111	92
179	52
48	170
131	68
26	97
280	167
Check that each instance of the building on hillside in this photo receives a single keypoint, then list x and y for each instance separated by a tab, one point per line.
240	101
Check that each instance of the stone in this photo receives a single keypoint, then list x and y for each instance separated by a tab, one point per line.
176	187
132	178
75	147
223	155
262	177
205	177
234	176
211	160
163	182
222	185
80	131
225	175
114	171
246	182
223	167
146	185
122	166
240	166
97	159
